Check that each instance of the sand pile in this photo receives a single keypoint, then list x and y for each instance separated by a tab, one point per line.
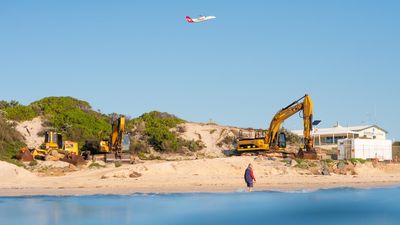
30	130
216	138
10	171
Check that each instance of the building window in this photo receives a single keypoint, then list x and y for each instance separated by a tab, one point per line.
332	140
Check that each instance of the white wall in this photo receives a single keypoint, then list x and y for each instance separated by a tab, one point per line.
365	149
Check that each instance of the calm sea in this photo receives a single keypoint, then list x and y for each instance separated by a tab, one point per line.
325	207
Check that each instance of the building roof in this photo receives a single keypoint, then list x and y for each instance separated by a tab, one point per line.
363	127
337	130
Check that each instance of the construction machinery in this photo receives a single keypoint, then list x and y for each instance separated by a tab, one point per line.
275	142
116	147
53	148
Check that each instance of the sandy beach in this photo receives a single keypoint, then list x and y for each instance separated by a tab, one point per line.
203	175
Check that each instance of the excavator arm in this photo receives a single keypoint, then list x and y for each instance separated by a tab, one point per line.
285	113
118	130
308	120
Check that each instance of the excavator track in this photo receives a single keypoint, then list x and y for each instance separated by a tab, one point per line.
274	154
121	157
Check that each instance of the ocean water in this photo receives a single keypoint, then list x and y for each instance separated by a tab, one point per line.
325	207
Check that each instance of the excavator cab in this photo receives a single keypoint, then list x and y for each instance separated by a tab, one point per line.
53	140
282	140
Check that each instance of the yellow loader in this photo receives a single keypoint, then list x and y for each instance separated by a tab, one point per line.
53	149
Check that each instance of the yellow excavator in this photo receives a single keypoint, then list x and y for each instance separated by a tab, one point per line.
53	148
119	141
276	142
116	146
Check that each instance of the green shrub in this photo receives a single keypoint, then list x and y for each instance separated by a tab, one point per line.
328	161
302	164
95	165
33	163
20	113
157	127
362	161
10	142
118	164
144	156
312	164
74	118
8	151
228	140
192	145
138	146
354	161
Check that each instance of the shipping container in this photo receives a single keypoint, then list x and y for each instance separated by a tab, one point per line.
365	149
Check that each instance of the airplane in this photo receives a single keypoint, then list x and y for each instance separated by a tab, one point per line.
199	19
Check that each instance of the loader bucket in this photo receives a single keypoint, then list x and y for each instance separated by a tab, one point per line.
24	155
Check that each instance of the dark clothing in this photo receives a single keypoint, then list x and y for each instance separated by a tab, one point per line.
249	177
249	184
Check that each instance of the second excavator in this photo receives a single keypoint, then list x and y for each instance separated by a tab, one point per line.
273	141
114	148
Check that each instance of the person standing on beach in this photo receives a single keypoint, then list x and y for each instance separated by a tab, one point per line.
249	177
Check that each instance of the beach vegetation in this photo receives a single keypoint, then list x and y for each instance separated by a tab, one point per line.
355	161
227	140
117	164
144	156
10	142
20	113
33	163
302	164
155	128
95	165
74	118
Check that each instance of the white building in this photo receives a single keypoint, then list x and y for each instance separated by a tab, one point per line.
328	137
365	149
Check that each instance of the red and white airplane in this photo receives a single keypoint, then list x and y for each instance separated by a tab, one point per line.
199	19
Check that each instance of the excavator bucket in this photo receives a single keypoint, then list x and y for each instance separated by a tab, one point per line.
312	154
24	155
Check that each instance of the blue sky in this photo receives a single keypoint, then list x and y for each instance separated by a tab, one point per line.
132	57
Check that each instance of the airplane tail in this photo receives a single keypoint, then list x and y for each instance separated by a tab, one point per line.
190	20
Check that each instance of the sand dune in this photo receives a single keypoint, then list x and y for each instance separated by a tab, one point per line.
30	130
211	135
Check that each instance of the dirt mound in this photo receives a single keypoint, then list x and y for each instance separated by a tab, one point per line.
10	171
30	130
